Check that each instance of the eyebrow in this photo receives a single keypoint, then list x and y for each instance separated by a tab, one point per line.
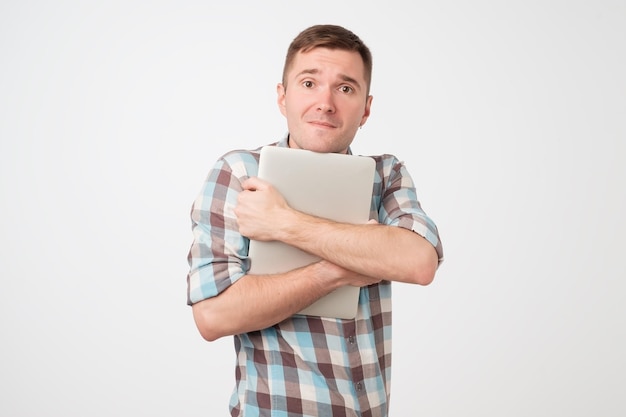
342	76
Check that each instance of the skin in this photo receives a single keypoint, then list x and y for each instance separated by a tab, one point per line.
325	103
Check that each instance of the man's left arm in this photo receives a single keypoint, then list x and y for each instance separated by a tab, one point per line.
390	252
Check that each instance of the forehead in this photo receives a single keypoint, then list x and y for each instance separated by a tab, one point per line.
327	61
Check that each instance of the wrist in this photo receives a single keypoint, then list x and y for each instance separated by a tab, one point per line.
291	225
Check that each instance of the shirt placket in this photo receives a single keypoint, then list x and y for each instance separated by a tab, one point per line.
356	364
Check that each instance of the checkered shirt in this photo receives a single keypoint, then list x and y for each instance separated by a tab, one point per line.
304	365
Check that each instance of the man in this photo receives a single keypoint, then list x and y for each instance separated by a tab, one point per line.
290	364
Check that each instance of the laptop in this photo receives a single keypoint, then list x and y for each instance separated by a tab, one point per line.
334	186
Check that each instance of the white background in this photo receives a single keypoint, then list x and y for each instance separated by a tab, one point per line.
510	117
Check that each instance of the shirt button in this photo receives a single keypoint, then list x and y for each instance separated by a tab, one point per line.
358	386
351	340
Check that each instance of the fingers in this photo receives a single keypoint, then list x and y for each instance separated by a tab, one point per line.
254	183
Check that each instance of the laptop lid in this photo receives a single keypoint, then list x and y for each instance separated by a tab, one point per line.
333	186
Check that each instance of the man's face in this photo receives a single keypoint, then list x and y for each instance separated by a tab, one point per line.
325	101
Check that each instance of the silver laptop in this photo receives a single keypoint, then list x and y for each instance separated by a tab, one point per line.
333	186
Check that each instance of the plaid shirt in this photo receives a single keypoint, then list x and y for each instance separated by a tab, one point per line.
305	365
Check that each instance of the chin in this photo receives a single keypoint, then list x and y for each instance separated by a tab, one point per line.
320	143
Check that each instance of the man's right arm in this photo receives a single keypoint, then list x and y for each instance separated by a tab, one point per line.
256	302
226	303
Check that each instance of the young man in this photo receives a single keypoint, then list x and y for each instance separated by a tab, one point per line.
290	364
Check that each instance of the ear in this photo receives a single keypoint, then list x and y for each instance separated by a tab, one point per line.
366	112
280	99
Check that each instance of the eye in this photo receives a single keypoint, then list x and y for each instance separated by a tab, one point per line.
346	89
308	84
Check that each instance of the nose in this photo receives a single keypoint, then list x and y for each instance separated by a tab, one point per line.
326	103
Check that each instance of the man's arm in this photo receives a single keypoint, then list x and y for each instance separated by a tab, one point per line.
256	302
356	255
392	253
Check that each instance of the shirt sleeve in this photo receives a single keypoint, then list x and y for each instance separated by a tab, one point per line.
218	256
399	204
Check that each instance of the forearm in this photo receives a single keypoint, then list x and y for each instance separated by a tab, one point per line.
256	302
391	253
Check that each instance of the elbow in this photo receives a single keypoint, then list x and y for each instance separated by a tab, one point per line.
424	270
423	276
210	337
420	260
209	334
207	321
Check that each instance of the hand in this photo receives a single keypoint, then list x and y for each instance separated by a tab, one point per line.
260	209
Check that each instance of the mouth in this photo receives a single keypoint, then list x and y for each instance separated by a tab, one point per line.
322	124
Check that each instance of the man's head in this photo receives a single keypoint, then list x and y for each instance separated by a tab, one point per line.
331	37
325	90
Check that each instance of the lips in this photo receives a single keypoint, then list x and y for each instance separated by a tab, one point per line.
322	123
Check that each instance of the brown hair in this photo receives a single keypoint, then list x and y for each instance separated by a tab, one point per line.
332	37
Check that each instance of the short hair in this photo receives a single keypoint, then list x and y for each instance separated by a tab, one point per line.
331	37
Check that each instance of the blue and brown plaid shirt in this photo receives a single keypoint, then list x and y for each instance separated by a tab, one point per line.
305	365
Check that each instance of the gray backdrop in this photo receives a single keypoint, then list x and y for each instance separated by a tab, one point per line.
509	115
